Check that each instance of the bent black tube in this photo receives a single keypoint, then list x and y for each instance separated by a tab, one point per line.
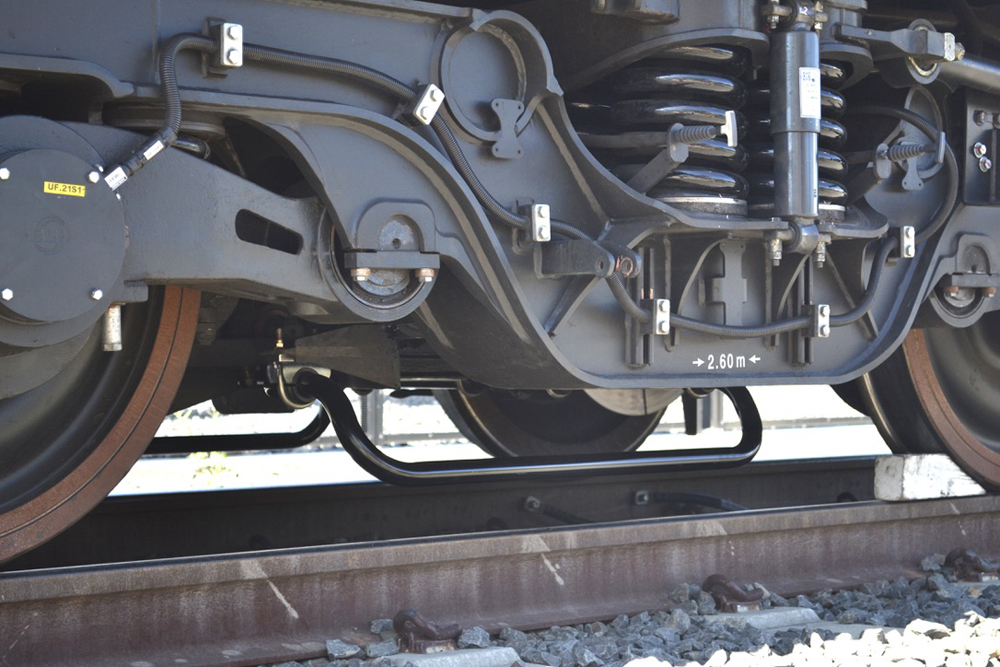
241	443
950	162
373	461
859	311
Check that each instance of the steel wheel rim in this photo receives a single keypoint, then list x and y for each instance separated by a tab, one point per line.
61	504
495	429
937	361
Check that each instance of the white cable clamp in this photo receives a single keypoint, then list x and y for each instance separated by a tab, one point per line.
821	321
230	45
541	223
907	242
661	317
430	100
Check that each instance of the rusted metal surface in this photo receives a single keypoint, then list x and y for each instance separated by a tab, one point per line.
418	634
729	597
970	566
187	609
60	506
193	524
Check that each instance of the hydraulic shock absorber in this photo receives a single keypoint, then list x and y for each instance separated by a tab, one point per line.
796	114
832	166
624	120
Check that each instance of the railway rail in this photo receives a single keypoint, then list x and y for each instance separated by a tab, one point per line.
280	604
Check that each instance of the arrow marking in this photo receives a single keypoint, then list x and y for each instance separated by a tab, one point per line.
698	362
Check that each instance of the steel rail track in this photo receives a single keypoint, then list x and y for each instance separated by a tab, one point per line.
135	528
269	606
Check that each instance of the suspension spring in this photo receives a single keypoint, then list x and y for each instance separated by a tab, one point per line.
624	120
833	135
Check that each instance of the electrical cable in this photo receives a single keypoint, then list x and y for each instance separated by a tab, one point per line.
951	163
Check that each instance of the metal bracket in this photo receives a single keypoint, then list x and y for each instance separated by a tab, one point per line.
648	11
230	53
575	257
507	112
820	327
661	317
541	223
924	44
391	259
428	103
907	242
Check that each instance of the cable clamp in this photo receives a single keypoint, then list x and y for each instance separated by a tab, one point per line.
430	100
541	223
661	317
230	53
820	327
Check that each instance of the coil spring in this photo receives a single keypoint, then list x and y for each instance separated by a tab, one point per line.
832	165
624	117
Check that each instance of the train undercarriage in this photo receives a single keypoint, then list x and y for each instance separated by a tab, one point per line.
559	216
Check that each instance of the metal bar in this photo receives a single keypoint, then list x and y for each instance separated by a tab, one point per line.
973	72
235	609
375	462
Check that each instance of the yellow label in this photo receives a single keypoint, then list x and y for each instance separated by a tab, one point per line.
53	188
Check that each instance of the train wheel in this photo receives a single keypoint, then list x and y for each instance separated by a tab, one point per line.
67	443
539	423
940	392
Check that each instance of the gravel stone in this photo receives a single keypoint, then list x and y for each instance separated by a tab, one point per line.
474	637
339	650
929	621
381	649
380	625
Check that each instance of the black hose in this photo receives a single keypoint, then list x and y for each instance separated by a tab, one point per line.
875	278
628	304
493	208
950	162
348	70
730	331
167	134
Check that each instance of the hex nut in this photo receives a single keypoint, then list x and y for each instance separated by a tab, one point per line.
6	294
979	149
93	177
4	173
985	164
425	275
96	294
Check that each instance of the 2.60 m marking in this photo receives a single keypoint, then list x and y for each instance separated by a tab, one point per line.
725	361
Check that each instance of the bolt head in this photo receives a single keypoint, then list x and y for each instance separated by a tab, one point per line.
93	177
952	290
985	164
824	331
232	56
543	233
664	327
361	274
435	94
4	173
824	310
96	294
908	232
234	32
6	294
989	292
979	149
